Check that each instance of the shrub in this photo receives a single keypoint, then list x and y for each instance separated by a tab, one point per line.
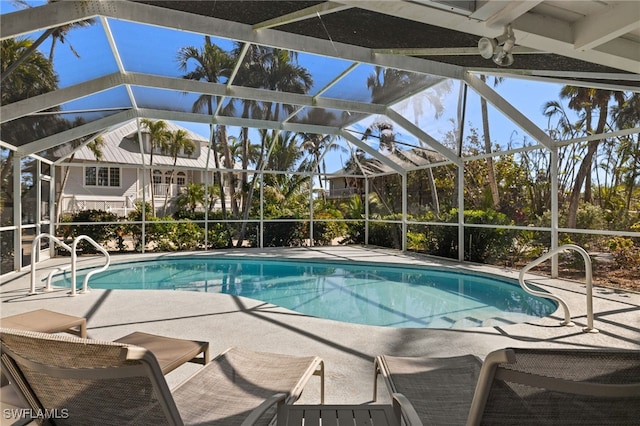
324	232
386	234
625	253
481	244
283	234
416	241
186	236
135	229
218	235
101	234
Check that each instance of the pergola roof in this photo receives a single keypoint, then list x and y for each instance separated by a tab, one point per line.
126	76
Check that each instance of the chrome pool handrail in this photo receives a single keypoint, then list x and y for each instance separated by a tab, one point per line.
588	278
35	248
74	257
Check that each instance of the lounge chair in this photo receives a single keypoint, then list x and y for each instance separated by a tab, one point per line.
170	352
84	381
520	386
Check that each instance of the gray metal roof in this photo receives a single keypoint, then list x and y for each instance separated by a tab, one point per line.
120	147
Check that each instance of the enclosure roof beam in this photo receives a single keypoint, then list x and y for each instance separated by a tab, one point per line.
60	13
58	97
508	110
67	94
423	136
75	133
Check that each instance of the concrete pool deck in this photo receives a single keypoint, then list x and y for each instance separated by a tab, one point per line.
347	349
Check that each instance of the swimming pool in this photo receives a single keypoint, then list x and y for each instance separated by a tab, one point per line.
392	296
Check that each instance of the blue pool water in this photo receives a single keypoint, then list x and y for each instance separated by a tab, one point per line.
355	293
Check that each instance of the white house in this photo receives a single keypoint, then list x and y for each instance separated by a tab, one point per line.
119	180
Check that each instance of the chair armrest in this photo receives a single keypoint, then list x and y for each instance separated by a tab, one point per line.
257	412
401	403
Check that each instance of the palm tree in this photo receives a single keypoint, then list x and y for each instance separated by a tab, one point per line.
249	74
587	101
95	146
434	98
275	69
60	33
228	162
285	156
192	196
491	171
382	130
158	136
317	145
177	142
626	116
212	64
33	76
387	83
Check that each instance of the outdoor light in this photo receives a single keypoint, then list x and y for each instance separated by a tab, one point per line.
499	48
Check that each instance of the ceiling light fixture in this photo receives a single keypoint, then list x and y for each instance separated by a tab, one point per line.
499	48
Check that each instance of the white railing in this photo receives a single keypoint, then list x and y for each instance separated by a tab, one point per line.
588	279
74	256
344	192
119	207
160	189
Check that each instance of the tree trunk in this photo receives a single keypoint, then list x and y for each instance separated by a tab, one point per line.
223	203
585	169
250	192
62	186
491	173
434	192
166	195
228	164
245	163
151	183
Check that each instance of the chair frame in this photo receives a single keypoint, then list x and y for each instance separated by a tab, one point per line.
491	370
146	366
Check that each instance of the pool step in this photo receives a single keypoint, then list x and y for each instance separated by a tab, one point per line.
479	320
468	322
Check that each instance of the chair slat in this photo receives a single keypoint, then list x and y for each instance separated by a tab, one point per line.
329	417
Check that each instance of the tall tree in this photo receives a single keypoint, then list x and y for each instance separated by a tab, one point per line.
626	116
95	146
212	64
177	142
587	102
158	136
250	74
386	84
491	171
286	157
278	70
32	77
316	145
60	33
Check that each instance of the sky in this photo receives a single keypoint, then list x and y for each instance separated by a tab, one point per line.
153	50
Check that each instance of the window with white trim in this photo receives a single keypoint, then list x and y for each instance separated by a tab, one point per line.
102	176
157	176
181	179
